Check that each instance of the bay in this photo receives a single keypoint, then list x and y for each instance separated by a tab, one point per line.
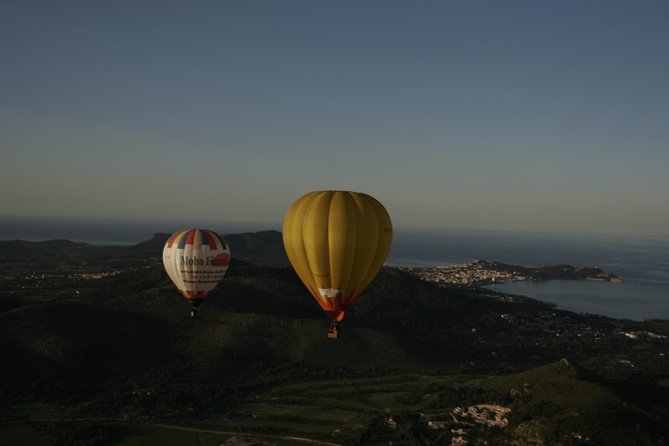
633	300
642	262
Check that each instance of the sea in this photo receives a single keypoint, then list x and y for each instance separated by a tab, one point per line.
642	262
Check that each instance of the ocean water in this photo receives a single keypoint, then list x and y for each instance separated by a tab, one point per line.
628	300
110	231
642	263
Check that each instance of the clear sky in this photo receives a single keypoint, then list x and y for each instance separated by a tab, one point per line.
496	115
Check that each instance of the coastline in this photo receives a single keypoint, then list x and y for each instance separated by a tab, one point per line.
482	272
588	291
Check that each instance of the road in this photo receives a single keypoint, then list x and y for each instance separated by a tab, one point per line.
194	429
244	434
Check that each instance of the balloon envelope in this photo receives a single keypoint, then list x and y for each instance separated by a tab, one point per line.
337	241
196	260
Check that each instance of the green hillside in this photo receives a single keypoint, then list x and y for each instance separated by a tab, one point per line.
95	358
556	404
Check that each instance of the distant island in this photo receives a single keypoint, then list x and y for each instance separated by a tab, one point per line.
482	272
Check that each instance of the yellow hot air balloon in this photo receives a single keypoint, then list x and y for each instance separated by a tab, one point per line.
337	242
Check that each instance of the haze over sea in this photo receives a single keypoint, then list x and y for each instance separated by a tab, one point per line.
642	263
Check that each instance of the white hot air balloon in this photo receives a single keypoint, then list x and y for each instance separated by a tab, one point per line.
196	260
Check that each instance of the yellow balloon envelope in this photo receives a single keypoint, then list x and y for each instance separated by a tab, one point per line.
337	241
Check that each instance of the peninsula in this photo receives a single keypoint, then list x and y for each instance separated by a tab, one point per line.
482	272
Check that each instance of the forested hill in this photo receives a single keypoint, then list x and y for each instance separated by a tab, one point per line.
262	248
102	333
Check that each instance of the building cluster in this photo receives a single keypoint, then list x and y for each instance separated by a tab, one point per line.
465	423
35	277
468	274
94	276
482	272
38	278
556	324
490	415
636	335
559	324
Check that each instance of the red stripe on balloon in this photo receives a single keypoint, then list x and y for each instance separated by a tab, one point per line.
191	237
172	239
211	239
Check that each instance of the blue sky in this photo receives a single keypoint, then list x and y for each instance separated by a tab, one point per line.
498	115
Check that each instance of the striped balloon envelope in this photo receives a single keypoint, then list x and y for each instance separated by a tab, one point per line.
196	260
